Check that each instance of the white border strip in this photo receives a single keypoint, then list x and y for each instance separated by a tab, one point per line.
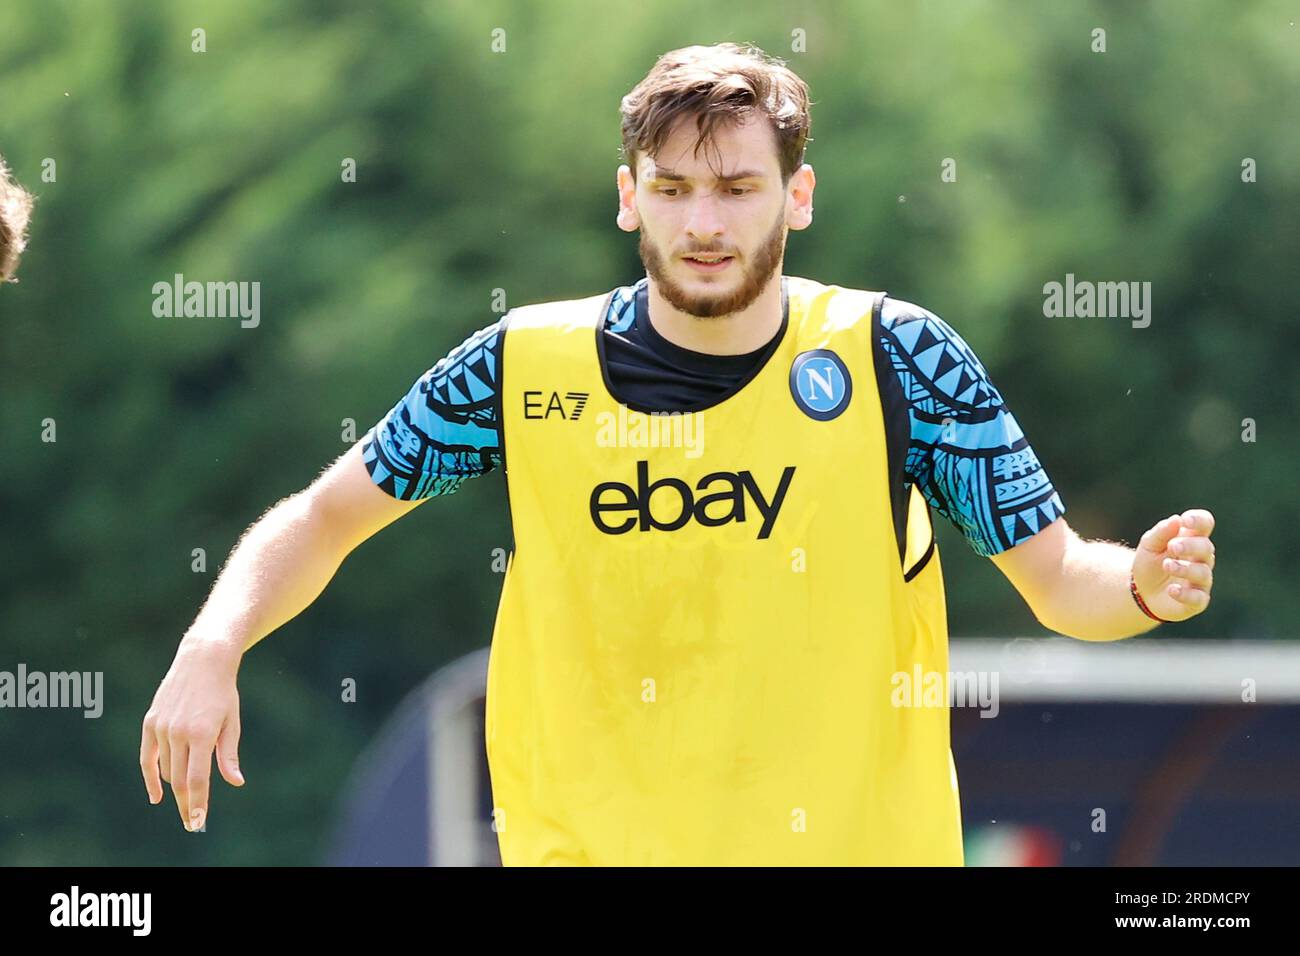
1136	670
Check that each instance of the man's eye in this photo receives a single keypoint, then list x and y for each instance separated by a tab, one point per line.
734	190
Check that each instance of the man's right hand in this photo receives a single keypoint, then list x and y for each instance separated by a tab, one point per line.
195	710
278	568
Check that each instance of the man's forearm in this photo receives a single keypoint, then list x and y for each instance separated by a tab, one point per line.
1091	599
279	566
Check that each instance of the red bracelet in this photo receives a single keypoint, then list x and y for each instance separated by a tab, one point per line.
1133	588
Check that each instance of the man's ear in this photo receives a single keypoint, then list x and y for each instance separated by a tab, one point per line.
628	220
799	210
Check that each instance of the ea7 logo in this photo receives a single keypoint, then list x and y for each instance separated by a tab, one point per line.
570	408
730	491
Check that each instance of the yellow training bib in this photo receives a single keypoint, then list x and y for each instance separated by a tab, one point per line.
704	616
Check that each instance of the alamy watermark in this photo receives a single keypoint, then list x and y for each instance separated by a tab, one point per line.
82	690
130	910
919	688
1103	300
627	428
181	299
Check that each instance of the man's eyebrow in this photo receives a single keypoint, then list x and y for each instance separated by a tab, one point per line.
661	172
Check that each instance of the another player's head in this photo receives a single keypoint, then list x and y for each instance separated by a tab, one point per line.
15	211
748	114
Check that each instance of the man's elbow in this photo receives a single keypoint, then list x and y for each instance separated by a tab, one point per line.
1048	615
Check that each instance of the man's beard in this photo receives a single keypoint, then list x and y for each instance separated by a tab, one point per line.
705	305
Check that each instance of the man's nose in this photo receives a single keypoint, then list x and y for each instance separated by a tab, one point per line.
704	224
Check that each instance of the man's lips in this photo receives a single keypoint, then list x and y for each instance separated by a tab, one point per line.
701	266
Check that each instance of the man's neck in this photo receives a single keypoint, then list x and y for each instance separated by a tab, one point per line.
735	334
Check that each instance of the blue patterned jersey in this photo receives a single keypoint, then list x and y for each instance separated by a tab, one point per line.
948	430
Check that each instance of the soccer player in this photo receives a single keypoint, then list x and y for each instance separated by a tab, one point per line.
719	480
15	213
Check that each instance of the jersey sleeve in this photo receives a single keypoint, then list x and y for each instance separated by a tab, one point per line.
446	428
967	454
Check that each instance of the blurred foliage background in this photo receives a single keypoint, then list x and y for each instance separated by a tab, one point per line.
480	170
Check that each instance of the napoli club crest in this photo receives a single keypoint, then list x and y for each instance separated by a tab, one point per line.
820	384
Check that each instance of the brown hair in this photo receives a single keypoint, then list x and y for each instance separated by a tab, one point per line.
15	211
717	84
